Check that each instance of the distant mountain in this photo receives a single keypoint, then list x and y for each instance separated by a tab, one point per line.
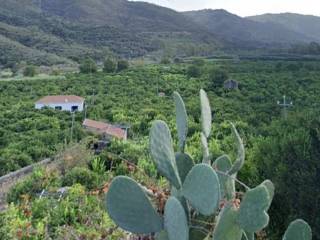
246	32
61	31
73	29
307	25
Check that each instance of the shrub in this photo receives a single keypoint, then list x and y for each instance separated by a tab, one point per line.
122	65
38	181
194	71
30	71
109	65
88	66
81	176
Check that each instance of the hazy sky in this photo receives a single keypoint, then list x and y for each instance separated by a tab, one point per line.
246	7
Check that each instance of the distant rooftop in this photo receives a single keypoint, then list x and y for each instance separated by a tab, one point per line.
105	128
61	99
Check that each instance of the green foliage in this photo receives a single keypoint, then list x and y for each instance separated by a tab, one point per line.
32	185
30	71
199	195
74	216
109	65
82	176
217	77
88	65
130	208
193	71
122	65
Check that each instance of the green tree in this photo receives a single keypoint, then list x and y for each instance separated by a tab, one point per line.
194	71
289	157
88	66
30	71
217	77
110	65
122	65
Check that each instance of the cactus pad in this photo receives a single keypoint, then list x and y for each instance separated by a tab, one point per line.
298	230
202	189
129	207
162	152
181	119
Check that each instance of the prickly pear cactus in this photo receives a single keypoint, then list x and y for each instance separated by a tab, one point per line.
202	195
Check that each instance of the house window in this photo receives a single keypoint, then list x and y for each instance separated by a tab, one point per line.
74	108
58	108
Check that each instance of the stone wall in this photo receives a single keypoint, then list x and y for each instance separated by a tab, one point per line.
9	180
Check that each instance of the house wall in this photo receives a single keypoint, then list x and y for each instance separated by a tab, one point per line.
65	106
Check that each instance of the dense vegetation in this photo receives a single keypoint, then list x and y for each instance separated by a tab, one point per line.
283	150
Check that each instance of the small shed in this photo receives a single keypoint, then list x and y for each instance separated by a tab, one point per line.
231	84
106	129
69	103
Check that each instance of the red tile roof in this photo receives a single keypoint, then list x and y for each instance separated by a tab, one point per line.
61	99
105	128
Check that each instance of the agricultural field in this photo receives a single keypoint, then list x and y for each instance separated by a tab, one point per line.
284	149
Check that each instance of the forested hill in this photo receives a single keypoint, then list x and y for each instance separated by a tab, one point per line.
51	32
245	32
305	24
47	32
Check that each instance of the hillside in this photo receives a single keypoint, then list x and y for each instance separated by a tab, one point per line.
245	32
305	24
75	29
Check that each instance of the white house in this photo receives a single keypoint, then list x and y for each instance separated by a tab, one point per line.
69	103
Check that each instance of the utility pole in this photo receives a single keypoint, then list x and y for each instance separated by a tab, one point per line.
72	126
285	105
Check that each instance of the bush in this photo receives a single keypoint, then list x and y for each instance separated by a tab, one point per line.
110	65
30	71
194	71
217	77
88	66
81	176
38	181
122	65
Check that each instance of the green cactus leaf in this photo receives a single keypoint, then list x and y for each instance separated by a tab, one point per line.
184	164
270	187
178	195
196	234
206	115
175	220
248	236
238	164
129	207
202	189
205	149
227	184
298	230
252	213
162	152
163	235
227	227
181	119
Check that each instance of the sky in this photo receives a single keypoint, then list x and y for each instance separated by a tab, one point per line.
245	7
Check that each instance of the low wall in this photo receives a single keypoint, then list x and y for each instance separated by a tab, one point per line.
9	180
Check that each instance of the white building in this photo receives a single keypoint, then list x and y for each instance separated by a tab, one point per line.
69	103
